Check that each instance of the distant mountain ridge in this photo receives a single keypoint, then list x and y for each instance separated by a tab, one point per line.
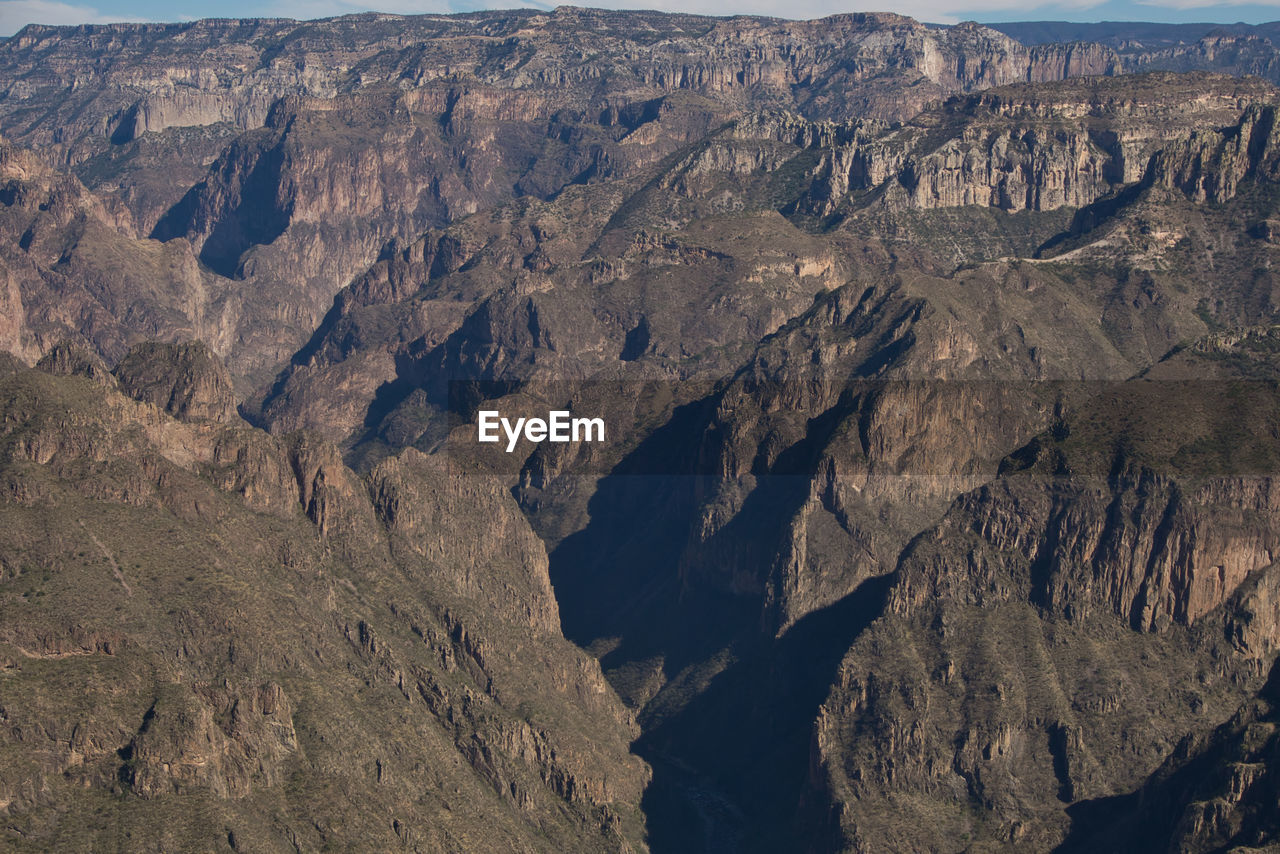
1127	34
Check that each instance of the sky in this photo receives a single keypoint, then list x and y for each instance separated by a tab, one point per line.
14	14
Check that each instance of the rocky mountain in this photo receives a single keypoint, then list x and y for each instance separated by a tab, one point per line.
936	508
211	633
1117	520
292	155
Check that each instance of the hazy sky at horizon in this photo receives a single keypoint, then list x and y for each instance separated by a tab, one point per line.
15	14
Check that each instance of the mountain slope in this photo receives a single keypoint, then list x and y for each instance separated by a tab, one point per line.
213	630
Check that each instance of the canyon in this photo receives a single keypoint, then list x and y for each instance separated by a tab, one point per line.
937	507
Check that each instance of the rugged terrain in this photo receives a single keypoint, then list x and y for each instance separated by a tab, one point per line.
938	509
215	633
290	156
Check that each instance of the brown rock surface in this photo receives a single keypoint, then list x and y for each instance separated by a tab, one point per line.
202	619
185	380
290	155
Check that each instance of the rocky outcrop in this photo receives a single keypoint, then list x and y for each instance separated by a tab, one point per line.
185	380
69	358
1109	532
187	744
1215	790
1065	146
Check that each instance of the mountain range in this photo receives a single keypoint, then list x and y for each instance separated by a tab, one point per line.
938	509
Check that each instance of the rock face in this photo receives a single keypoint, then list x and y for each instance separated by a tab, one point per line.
1048	147
180	748
185	380
516	586
1094	532
231	72
69	358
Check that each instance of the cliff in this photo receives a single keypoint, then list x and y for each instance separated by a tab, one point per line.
1049	147
1118	529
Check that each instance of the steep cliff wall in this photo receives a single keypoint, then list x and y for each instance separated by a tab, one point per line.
1106	556
1063	146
